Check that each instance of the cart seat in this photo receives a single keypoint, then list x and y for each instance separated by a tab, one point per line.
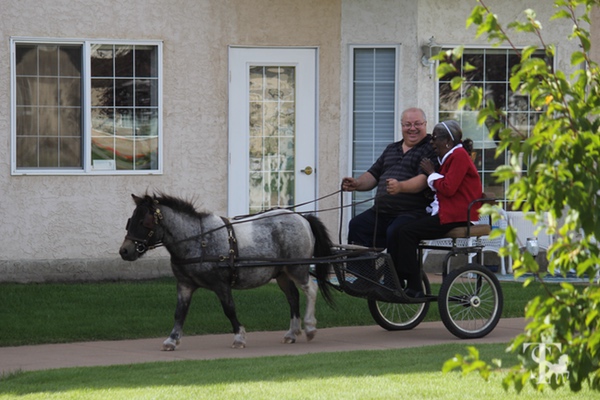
471	231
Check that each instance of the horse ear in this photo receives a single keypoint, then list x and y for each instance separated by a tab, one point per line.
137	200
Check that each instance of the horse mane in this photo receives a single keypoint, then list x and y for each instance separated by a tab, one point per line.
178	204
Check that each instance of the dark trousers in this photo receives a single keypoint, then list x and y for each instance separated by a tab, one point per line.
405	241
372	229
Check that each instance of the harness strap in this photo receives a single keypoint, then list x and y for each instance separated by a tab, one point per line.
233	250
231	257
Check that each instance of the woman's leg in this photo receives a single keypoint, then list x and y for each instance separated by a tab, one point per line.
406	239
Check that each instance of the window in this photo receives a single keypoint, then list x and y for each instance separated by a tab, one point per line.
373	101
491	73
86	107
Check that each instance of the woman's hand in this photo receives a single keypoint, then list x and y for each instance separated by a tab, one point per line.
427	166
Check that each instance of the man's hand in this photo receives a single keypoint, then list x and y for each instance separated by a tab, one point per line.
393	186
349	184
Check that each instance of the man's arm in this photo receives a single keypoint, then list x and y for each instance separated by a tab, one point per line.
364	182
413	185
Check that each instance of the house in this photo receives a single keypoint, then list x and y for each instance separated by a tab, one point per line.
238	104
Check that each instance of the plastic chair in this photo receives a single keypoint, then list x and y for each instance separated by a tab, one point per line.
488	244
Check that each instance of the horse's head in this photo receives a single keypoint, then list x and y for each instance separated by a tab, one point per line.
141	229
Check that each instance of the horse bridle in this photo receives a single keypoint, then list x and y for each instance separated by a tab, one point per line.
151	220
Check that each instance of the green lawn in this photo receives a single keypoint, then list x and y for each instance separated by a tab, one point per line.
58	313
390	374
52	313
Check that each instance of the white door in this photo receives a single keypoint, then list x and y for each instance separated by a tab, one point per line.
272	128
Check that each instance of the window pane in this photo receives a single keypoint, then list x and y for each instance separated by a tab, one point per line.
124	92
476	60
48	56
272	124
146	61
124	61
26	59
48	97
27	91
101	60
125	105
495	65
496	92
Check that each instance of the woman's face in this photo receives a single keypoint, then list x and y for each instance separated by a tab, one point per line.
441	144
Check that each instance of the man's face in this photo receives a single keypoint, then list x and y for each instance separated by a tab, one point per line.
414	128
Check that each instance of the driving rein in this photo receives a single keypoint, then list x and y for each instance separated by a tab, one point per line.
232	260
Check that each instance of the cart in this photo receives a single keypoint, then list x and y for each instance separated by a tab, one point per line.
469	300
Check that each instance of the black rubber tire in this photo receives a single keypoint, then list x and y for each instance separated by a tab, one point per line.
400	316
470	302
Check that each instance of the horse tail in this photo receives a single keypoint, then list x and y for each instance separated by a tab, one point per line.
323	245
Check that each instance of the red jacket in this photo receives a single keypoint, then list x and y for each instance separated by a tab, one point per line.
458	188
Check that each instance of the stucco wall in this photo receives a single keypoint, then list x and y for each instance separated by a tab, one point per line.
72	226
61	223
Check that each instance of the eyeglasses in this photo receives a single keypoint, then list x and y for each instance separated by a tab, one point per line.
417	124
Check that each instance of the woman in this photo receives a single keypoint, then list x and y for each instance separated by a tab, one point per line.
456	185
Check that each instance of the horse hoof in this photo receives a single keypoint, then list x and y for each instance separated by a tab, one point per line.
310	335
288	340
238	345
170	345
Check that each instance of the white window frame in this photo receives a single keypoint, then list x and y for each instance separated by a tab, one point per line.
349	197
87	167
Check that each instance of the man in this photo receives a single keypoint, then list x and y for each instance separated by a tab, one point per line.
401	184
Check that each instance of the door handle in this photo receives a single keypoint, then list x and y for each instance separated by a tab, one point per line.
307	170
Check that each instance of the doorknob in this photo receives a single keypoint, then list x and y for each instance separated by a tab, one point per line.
307	170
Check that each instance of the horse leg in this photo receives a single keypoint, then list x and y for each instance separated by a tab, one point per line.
223	292
288	287
310	288
184	297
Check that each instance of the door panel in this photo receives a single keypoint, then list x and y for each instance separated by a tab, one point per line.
272	129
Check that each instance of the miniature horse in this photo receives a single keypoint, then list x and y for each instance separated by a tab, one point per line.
210	252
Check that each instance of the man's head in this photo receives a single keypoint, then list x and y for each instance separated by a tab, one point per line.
414	126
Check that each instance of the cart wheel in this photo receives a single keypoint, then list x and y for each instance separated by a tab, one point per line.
400	316
470	302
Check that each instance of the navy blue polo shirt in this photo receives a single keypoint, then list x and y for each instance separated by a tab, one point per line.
394	163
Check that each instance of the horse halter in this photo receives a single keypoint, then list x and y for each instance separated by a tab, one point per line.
150	220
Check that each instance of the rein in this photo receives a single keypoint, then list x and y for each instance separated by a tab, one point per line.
154	216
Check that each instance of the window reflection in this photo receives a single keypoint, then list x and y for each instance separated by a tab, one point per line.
491	74
125	106
48	106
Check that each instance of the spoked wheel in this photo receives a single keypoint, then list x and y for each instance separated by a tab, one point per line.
470	301
400	316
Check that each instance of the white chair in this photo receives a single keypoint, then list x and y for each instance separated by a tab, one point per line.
488	244
525	229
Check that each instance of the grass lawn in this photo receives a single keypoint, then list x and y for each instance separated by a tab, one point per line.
58	313
407	373
52	313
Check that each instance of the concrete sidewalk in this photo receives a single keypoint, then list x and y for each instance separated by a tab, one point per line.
259	344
